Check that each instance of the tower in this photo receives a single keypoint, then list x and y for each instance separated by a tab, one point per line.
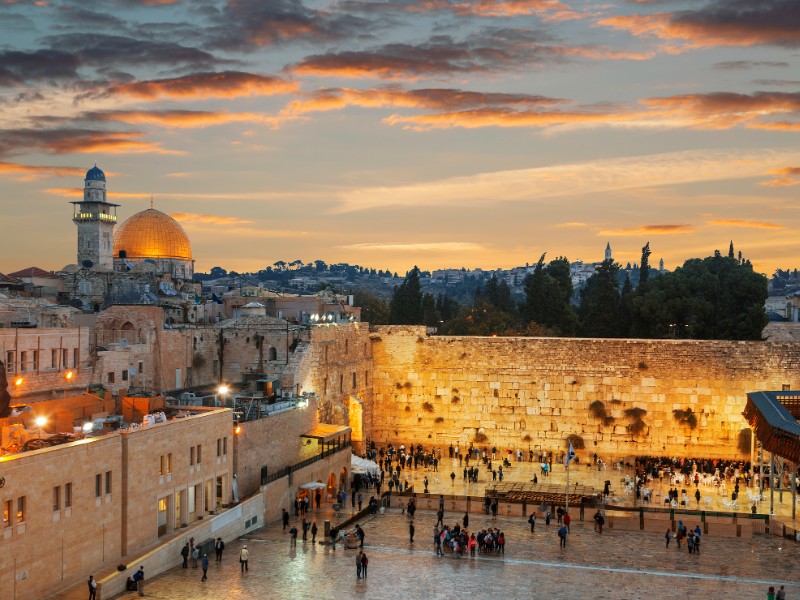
95	218
608	251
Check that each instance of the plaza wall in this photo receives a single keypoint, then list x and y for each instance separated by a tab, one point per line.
531	393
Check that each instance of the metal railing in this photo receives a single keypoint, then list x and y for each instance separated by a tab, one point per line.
309	461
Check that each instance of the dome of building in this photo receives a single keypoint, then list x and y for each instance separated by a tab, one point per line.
152	234
95	174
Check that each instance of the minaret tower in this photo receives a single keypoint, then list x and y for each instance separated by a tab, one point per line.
95	218
608	250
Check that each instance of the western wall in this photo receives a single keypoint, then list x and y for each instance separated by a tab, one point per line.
531	393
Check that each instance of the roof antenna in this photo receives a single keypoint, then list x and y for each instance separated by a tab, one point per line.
151	200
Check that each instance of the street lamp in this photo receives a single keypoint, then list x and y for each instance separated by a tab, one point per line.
40	422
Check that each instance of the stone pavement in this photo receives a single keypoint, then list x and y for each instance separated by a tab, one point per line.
616	565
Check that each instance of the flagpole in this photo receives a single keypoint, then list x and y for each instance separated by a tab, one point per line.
566	496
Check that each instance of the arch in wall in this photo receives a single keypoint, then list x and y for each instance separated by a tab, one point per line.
330	491
127	326
343	479
272	354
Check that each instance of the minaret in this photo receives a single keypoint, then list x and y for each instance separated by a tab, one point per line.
95	218
608	251
661	265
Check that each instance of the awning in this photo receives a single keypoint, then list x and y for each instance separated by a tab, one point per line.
314	485
327	433
362	465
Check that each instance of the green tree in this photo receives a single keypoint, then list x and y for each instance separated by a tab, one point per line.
405	307
644	269
547	295
373	309
600	312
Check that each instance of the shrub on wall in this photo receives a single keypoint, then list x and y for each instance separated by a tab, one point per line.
576	441
635	413
744	442
480	438
439	420
598	410
427	407
685	417
637	427
455	400
527	438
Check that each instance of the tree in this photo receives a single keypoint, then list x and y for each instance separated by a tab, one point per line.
600	311
405	307
430	315
373	309
731	253
547	294
644	269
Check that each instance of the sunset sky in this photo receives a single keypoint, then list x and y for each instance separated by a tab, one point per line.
442	133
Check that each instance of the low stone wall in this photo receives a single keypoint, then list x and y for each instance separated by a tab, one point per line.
234	522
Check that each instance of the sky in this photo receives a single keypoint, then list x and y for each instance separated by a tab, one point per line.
389	133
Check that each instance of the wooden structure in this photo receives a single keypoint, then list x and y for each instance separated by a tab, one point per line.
534	493
773	418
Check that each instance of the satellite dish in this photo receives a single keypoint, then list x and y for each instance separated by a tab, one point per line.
132	371
87	264
123	343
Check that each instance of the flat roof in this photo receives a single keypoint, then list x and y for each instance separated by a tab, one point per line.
773	417
326	432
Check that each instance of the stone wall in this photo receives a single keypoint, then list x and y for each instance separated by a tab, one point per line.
531	393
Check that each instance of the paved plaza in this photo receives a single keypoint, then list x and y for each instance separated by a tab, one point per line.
612	566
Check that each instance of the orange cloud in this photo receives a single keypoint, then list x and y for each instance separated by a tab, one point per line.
717	23
722	110
65	141
29	172
650	229
745	223
226	84
791	176
203	219
183	118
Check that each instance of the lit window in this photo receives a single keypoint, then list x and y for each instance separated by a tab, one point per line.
21	513
67	495
57	498
7	513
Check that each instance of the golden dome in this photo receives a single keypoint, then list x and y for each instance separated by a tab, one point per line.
152	234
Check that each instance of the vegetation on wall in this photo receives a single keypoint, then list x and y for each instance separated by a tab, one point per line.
427	407
480	438
598	410
685	417
576	441
744	442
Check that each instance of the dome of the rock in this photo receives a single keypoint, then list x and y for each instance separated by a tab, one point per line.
152	234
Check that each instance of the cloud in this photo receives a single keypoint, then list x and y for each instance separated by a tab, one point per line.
745	223
181	118
724	109
778	82
29	172
649	230
226	84
64	141
247	24
417	247
748	64
571	224
426	98
542	184
719	23
40	65
203	219
791	176
482	8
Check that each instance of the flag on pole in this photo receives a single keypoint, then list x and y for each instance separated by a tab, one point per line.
570	455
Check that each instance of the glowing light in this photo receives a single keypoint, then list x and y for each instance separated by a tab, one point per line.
40	422
237	430
69	375
18	381
88	427
223	389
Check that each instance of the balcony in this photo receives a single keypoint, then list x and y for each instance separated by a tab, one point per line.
94	216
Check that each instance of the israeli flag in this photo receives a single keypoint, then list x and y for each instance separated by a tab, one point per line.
570	455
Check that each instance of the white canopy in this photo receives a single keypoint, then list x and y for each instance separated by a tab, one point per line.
313	485
364	466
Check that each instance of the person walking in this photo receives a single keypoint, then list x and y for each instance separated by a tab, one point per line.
781	594
306	525
285	518
411	532
439	518
185	554
244	557
364	563
138	577
567	520
219	546
562	536
360	534
204	565
532	521
668	537
293	537
465	520
195	556
318	498
358	564
314	532
437	541
92	587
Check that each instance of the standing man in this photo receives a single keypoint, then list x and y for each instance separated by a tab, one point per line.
92	588
318	498
244	557
204	565
185	554
360	534
219	546
358	564
439	518
314	532
293	538
566	520
532	521
138	577
364	563
285	518
562	536
306	525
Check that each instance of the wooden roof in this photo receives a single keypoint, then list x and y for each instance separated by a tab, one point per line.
773	418
541	492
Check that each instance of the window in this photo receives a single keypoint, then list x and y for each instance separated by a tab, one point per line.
23	361
199	453
191	455
354	380
57	498
7	513
54	359
192	500
111	377
9	362
108	482
64	358
225	446
35	360
125	375
75	356
141	367
366	378
169	463
84	287
98	485
68	495
21	514
219	447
